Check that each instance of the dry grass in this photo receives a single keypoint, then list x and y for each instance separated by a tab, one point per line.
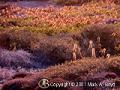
81	70
52	20
73	2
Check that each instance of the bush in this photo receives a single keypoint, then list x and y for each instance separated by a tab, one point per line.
109	34
45	49
15	59
67	2
56	49
22	39
72	2
21	58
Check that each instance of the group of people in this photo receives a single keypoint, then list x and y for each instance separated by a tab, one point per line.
94	50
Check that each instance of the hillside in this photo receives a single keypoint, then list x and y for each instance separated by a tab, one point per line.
61	40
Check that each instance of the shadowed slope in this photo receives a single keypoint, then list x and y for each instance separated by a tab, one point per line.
83	70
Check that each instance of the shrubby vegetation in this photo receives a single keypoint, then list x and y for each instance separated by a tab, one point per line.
58	48
73	2
81	70
22	39
109	35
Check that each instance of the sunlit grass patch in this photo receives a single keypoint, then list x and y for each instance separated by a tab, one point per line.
83	68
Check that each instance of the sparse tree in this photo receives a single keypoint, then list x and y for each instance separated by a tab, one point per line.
92	49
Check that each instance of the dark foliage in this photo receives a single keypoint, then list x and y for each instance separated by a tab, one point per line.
109	35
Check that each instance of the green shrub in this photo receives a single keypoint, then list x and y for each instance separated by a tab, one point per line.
21	39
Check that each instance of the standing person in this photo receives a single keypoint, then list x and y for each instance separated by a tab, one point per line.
93	53
103	52
75	51
80	53
90	44
98	46
98	39
113	43
91	49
